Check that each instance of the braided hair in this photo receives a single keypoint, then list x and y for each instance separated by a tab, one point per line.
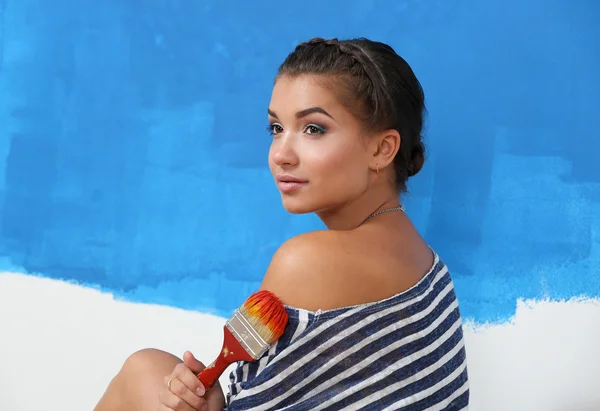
376	85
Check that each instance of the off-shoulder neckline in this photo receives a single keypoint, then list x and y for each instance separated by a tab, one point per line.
418	288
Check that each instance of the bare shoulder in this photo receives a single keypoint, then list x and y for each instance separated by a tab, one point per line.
305	269
331	269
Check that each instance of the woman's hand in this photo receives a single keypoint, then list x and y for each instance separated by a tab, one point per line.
184	392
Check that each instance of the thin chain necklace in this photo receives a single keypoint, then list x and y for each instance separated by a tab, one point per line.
385	210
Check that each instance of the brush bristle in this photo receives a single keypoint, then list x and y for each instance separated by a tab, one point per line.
265	312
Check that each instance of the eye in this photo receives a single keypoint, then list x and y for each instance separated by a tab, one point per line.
314	129
274	129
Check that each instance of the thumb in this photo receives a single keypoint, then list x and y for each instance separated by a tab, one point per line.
192	363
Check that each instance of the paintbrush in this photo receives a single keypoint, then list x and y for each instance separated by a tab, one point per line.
249	333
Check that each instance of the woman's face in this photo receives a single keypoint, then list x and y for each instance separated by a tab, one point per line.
319	156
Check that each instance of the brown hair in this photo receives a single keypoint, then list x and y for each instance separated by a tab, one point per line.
378	87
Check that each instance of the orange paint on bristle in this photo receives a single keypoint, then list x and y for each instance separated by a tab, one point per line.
267	315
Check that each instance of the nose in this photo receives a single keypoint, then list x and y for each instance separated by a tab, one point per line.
283	152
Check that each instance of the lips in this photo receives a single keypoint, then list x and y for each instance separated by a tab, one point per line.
287	183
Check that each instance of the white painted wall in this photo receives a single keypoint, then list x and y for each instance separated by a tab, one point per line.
60	344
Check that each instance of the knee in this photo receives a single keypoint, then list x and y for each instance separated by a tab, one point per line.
149	361
134	386
139	360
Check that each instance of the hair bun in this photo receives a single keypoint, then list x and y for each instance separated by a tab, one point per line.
417	159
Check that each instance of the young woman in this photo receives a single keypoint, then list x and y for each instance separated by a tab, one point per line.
374	321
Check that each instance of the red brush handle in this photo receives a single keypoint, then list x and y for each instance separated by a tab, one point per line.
231	352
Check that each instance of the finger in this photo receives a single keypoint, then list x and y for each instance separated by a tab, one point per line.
192	363
189	379
172	402
161	405
180	390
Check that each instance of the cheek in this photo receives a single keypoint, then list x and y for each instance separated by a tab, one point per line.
338	164
270	160
269	157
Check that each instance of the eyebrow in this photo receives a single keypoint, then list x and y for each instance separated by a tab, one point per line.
304	113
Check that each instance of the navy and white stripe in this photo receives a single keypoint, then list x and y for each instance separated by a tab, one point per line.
402	353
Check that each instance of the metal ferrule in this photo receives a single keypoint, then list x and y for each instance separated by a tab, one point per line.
243	331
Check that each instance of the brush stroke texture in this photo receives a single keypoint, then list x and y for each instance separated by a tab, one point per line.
133	156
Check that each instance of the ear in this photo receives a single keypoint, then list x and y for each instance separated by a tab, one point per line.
384	148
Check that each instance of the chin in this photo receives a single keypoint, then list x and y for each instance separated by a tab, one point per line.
296	206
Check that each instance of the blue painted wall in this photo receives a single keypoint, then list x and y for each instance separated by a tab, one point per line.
133	151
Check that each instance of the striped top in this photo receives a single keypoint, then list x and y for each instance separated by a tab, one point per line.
403	353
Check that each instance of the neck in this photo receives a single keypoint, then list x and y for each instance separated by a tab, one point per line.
351	215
